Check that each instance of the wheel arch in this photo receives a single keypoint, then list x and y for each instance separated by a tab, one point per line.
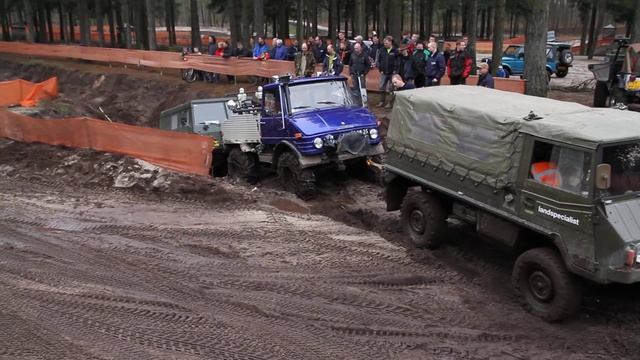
282	147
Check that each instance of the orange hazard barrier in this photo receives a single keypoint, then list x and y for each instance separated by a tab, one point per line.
215	64
182	152
26	93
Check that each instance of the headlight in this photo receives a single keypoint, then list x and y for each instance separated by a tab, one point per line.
318	143
373	133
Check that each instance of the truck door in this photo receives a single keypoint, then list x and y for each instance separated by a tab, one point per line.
273	125
518	65
557	197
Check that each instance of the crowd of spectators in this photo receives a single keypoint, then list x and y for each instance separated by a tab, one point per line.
409	62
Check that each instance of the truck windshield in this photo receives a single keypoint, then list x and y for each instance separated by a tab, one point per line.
625	168
206	112
320	95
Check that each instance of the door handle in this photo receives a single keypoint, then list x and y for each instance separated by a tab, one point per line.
263	122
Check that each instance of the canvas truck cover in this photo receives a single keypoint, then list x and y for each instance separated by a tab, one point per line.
474	131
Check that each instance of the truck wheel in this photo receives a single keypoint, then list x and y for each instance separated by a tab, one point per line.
424	219
600	94
301	182
566	57
548	289
562	72
189	75
242	165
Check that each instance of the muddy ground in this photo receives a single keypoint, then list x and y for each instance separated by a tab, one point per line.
107	257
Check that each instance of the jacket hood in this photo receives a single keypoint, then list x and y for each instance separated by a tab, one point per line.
329	120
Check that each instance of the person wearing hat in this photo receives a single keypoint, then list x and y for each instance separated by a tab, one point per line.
484	76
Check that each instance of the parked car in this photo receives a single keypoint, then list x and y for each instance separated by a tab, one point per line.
559	59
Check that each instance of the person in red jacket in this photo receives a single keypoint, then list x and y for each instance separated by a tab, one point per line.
459	64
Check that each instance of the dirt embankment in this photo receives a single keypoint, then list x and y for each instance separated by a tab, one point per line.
129	96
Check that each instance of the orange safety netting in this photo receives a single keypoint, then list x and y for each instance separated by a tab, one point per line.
26	93
216	64
183	152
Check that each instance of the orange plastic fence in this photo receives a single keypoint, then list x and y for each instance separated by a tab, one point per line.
26	93
172	60
188	153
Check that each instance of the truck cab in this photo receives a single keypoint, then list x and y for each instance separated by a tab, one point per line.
555	183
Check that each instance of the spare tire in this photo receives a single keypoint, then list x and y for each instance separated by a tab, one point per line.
566	57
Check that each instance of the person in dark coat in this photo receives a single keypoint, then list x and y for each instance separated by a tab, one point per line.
399	84
319	50
213	45
419	63
332	64
344	53
484	76
435	67
360	66
374	49
305	62
293	50
387	63
459	64
405	65
240	51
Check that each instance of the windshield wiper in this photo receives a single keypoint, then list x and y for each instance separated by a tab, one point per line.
301	107
326	102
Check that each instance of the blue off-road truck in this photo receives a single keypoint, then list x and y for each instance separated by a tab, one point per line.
295	126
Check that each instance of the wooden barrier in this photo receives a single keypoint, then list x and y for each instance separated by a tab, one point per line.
182	152
219	65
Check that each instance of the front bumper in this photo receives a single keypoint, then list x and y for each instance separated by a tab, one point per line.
330	158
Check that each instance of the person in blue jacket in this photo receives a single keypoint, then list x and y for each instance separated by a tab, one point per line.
260	49
435	67
280	51
484	76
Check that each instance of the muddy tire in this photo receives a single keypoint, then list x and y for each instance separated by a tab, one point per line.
600	94
562	72
424	220
242	165
293	178
549	291
189	75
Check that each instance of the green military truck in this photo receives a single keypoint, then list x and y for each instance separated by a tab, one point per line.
557	182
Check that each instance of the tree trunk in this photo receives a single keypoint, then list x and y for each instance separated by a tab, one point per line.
126	23
99	12
300	20
584	21
395	22
83	16
49	23
498	34
333	18
597	13
151	25
28	14
42	21
383	11
64	30
258	17
112	28
635	29
195	25
535	72
360	24
283	23
245	19
4	18
72	25
472	14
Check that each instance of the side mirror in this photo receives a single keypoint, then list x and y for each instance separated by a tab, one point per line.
521	55
603	176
